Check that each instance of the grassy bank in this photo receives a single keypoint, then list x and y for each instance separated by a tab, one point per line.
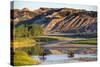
53	38
22	42
88	41
22	58
24	48
31	50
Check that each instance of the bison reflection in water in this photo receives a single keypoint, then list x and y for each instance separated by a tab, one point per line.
70	53
44	53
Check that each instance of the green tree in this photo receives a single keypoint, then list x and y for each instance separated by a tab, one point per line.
36	30
28	30
21	31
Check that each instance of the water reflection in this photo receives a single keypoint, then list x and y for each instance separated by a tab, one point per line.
63	58
68	54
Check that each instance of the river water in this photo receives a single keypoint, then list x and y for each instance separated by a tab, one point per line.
63	58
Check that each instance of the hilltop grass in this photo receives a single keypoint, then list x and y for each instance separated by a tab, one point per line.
22	42
88	41
22	58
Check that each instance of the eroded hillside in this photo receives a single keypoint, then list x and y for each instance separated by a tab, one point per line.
63	20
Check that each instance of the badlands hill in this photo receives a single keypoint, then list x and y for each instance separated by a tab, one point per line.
63	20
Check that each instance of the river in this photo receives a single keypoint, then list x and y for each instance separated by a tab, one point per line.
63	58
83	55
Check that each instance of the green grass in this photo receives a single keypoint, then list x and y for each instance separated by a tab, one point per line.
27	45
33	50
22	42
88	41
22	58
53	38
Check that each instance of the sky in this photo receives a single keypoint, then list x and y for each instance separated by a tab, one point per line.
35	5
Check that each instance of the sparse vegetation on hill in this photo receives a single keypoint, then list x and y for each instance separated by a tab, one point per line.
66	20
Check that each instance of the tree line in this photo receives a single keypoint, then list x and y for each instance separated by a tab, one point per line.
28	30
